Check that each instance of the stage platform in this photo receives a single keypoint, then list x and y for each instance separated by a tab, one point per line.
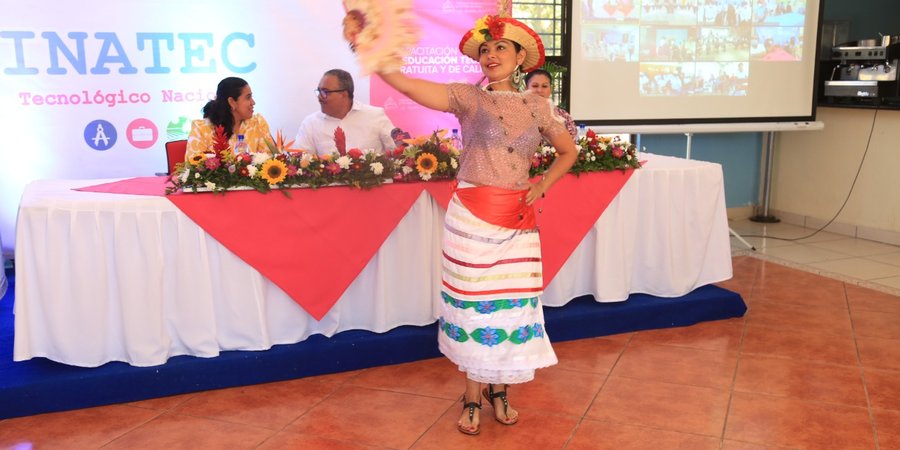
40	385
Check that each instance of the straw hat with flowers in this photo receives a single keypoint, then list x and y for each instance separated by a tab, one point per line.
501	26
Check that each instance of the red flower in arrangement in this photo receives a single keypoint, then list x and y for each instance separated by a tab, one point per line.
355	153
618	152
399	150
333	168
246	157
291	170
340	141
220	140
591	134
213	163
245	172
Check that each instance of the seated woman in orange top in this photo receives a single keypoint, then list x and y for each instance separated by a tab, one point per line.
232	109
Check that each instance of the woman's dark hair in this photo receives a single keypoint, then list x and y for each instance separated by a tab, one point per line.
538	72
218	111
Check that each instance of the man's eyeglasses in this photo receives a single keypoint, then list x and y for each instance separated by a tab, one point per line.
324	92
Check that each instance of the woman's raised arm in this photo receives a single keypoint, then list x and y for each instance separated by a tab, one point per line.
426	93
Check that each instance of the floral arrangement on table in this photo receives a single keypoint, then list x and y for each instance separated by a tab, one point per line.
596	153
282	166
425	158
430	157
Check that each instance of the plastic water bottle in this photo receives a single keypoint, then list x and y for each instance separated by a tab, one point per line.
582	130
241	145
455	140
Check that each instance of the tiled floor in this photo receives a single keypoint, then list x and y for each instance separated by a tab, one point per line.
814	364
855	261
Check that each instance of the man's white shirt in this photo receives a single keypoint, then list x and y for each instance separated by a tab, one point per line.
366	127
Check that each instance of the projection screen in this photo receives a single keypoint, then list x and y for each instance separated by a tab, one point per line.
693	61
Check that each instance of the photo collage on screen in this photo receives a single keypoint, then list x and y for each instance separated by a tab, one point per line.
693	47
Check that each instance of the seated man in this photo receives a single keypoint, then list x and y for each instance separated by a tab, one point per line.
366	127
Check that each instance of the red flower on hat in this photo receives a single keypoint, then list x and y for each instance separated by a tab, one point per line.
494	27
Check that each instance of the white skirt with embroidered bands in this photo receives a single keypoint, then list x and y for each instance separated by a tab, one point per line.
492	321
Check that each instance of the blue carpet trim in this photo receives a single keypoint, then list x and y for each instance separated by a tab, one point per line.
40	386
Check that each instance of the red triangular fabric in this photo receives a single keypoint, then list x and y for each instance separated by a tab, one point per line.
137	186
312	245
441	191
316	256
570	209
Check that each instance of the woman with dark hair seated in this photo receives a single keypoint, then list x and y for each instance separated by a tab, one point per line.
540	82
233	110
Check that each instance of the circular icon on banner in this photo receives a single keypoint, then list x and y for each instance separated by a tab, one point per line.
142	133
100	135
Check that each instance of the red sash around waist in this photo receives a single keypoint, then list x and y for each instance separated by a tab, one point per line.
498	206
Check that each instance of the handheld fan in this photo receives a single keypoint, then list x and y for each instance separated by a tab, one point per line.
380	32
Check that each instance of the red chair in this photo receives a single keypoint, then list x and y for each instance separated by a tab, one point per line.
175	151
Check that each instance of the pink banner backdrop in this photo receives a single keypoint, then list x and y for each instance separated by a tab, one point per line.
92	98
435	58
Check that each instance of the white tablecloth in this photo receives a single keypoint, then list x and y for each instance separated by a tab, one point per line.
112	277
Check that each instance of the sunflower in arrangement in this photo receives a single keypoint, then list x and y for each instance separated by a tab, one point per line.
197	158
284	161
426	165
426	158
273	171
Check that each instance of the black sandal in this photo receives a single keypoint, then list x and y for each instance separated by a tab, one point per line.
471	407
490	395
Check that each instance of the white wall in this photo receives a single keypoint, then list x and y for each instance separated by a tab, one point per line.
813	173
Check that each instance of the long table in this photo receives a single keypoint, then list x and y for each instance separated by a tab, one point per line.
109	277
